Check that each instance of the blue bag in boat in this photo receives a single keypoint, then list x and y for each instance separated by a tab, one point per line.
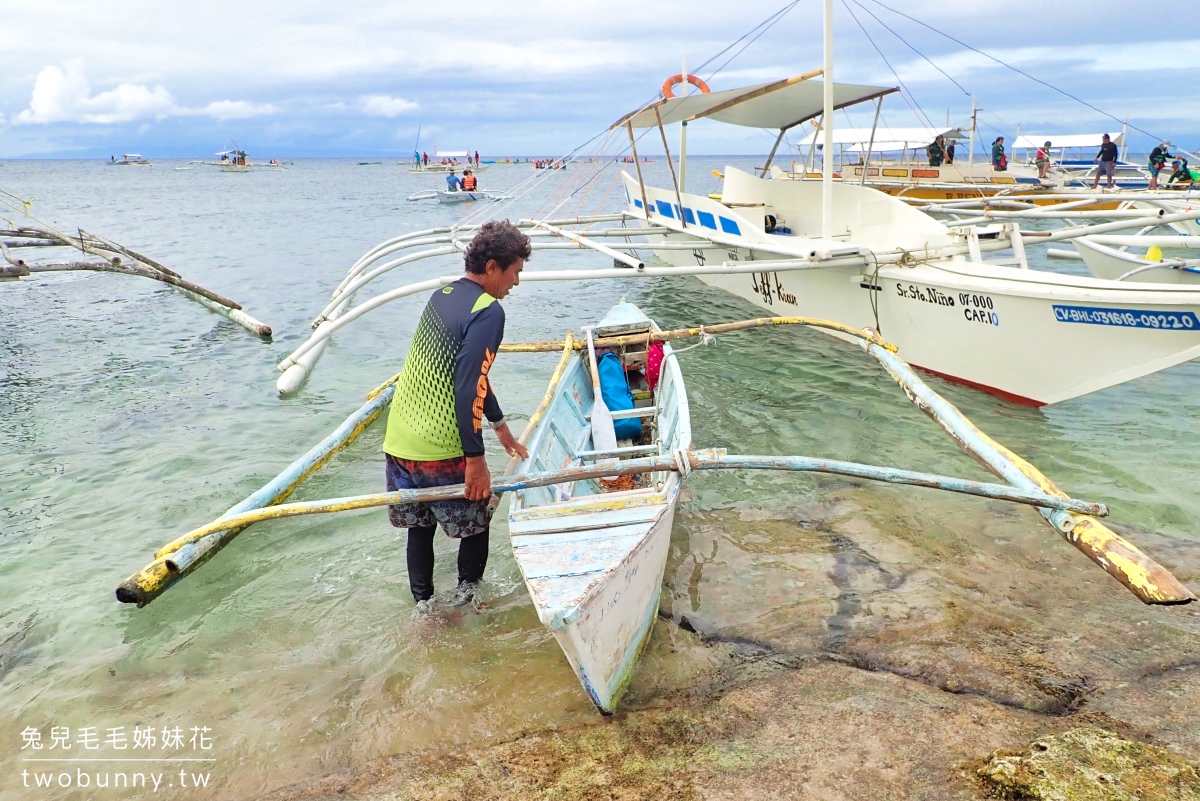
614	388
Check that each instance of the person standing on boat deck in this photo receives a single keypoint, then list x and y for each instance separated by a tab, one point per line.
435	423
1158	159
1107	161
999	160
452	182
936	151
950	152
477	159
1042	160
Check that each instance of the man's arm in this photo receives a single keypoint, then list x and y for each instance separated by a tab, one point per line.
480	345
471	387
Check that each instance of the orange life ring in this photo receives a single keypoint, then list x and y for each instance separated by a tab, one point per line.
677	78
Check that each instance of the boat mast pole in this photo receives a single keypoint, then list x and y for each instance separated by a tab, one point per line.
812	148
771	156
682	134
638	164
671	164
871	144
827	157
971	155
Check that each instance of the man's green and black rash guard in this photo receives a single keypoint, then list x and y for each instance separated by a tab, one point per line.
443	391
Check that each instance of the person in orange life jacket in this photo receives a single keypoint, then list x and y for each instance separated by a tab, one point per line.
442	398
1042	160
468	181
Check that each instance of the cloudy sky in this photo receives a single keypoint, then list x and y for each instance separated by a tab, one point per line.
357	77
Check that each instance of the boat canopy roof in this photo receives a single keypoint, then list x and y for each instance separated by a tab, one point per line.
131	155
1066	140
886	139
779	104
231	153
451	154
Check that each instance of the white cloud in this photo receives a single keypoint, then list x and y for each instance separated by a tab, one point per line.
1117	57
385	106
63	94
235	109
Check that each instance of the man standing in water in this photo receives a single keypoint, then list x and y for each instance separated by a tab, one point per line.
435	424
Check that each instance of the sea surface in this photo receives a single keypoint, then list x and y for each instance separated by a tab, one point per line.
130	414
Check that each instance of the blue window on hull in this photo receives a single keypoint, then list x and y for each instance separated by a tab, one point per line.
707	220
688	217
664	209
729	226
637	203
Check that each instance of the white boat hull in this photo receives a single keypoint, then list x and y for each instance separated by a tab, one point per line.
446	196
594	560
1032	337
1110	263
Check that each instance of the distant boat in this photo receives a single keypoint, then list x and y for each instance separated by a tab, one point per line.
237	160
129	160
459	196
369	163
445	161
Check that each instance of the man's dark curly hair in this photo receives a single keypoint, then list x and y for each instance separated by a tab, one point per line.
499	240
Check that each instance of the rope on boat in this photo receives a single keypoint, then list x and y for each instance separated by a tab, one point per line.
705	340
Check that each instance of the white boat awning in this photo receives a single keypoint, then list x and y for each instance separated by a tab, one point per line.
886	139
1067	140
450	154
777	105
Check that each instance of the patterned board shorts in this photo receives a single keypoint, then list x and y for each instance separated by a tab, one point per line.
458	518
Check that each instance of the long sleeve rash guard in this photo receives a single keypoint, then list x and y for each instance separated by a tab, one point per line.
444	392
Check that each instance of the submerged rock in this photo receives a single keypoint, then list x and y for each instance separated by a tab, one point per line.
1091	764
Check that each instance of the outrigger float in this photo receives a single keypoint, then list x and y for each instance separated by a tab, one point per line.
592	551
114	258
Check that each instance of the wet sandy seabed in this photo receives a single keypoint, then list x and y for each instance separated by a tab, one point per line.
844	651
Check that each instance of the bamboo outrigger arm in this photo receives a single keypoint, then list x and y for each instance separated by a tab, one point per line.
153	580
330	327
176	557
1141	575
140	265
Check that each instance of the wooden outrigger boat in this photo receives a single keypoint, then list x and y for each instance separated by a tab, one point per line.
593	553
130	160
593	559
458	196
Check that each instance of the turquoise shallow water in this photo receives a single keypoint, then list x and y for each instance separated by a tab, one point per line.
129	415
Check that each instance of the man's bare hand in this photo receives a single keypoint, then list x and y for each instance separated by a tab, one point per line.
511	446
478	480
